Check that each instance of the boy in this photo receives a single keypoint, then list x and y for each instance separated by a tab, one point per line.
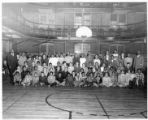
42	79
17	78
139	78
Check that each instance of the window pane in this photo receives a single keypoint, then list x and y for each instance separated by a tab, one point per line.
122	18
113	17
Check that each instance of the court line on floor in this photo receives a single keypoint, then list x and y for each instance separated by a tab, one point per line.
46	100
15	101
106	114
142	113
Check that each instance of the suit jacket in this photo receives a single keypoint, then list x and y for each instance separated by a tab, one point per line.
12	62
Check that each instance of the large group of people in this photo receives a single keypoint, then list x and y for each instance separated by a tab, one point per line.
75	70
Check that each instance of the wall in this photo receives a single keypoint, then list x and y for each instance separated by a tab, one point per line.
67	16
7	46
28	46
135	17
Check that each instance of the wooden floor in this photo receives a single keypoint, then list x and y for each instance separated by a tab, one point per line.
72	103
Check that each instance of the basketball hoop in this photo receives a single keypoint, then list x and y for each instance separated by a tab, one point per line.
83	32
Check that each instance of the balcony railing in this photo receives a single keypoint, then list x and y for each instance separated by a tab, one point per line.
20	23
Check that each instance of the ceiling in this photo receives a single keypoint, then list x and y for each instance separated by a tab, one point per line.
8	33
90	4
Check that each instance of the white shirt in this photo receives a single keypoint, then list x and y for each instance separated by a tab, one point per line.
97	60
70	69
68	59
115	56
61	59
107	57
53	60
102	69
82	60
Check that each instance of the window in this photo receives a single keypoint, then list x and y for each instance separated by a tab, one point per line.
87	19
82	48
82	19
122	18
78	19
43	18
113	17
118	18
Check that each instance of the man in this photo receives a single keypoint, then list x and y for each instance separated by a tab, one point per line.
12	64
138	61
128	62
115	54
89	60
22	59
76	58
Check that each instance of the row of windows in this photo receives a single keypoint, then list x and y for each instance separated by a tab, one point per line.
82	19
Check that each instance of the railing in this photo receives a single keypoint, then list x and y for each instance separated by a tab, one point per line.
45	30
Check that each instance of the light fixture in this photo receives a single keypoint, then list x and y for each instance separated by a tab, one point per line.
110	38
84	32
145	40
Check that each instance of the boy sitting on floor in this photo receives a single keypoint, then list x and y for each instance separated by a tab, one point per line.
42	79
27	80
35	79
107	80
51	80
121	79
17	78
90	80
69	80
139	78
97	80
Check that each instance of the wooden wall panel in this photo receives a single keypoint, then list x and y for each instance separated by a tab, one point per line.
59	18
59	48
106	19
135	17
28	46
96	19
6	47
69	19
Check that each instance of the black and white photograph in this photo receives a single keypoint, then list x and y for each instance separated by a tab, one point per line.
74	60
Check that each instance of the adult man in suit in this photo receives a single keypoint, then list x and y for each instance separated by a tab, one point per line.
12	64
138	61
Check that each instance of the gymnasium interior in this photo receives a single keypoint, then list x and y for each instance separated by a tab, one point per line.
70	29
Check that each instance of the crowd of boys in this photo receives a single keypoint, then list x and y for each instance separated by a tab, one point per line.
75	70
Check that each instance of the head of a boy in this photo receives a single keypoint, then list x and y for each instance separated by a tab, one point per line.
38	62
36	68
50	64
71	64
96	64
66	69
17	73
5	62
122	71
58	68
91	74
139	70
77	64
129	71
60	74
51	73
83	74
28	73
35	74
106	74
42	74
24	68
73	73
44	56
